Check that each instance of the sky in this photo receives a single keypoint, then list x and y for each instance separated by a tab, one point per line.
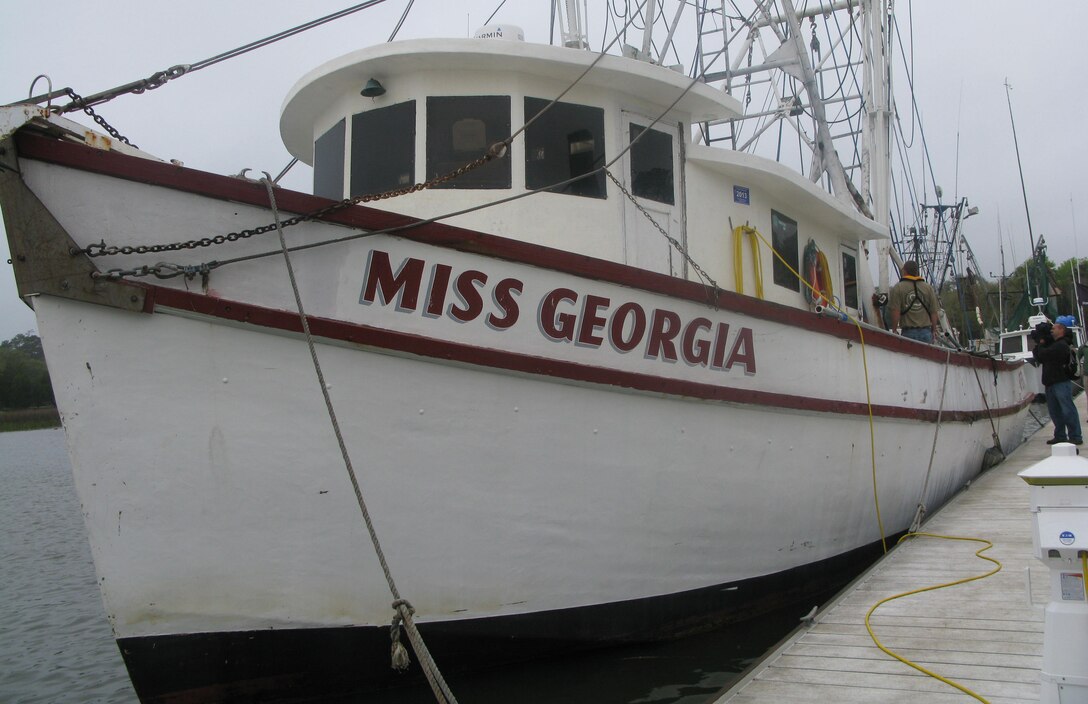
225	117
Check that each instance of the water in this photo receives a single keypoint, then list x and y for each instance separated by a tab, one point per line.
56	645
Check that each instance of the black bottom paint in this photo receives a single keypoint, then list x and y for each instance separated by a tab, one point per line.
316	664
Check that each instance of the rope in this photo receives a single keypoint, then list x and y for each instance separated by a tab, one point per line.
401	607
920	513
900	658
865	371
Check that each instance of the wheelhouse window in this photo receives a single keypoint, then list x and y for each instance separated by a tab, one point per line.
383	149
329	162
784	240
849	278
565	142
651	165
459	130
1012	345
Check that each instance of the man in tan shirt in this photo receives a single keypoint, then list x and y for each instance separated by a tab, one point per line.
914	305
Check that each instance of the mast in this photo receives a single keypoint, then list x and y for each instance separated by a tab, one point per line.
877	164
1001	287
824	157
648	31
572	28
876	159
1076	265
1020	168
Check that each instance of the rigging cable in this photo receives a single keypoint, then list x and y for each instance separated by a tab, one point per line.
403	609
920	512
492	16
160	78
404	16
164	270
910	72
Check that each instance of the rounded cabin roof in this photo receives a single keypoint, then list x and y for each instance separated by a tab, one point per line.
315	92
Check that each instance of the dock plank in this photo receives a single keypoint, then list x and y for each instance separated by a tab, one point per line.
987	634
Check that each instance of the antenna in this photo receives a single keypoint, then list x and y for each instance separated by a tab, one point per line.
1016	143
1076	264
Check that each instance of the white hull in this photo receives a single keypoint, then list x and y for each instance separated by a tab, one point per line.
565	432
494	494
216	498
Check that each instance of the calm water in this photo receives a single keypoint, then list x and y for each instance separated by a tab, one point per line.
56	645
55	642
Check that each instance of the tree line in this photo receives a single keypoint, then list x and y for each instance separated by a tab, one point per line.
975	305
24	379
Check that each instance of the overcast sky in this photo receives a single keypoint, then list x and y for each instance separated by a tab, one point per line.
225	117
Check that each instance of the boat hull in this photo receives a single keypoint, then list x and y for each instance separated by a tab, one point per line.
540	437
319	664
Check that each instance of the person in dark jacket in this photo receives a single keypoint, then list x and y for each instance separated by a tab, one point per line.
1053	354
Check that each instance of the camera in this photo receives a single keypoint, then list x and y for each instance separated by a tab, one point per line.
1042	334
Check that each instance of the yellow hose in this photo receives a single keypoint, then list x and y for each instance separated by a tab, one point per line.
900	658
738	258
876	499
865	368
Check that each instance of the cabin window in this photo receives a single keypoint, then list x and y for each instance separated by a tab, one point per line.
565	142
849	278
329	162
1011	345
460	129
383	149
651	165
784	240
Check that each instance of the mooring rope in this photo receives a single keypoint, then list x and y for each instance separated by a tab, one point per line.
403	609
920	512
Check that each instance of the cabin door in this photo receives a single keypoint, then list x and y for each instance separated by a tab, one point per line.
650	174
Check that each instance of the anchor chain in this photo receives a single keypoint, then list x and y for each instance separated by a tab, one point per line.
78	102
672	240
101	249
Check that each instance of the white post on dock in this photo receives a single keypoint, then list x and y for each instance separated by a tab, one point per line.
1059	506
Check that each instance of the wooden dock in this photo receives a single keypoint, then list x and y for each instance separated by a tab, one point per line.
986	635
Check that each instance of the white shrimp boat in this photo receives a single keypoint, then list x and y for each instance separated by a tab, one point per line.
569	428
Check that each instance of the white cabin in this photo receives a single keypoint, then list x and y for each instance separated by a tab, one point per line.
446	101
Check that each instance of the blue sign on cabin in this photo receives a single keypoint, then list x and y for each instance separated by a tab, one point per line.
741	195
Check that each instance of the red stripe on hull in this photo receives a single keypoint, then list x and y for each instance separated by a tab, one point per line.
438	234
528	364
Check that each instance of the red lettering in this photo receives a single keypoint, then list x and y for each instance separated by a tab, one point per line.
743	352
557	326
503	295
619	322
663	329
591	320
381	282
469	294
436	297
719	345
696	351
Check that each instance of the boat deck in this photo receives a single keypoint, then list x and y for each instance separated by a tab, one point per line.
987	635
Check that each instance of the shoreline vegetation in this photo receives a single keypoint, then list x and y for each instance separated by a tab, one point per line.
29	419
26	396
